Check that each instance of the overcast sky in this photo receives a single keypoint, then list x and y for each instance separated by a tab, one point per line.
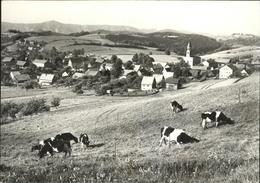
215	17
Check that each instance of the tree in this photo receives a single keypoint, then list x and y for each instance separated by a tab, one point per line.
113	59
117	69
181	69
135	58
129	65
167	51
158	69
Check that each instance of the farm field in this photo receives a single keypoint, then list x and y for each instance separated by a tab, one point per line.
125	133
237	52
65	43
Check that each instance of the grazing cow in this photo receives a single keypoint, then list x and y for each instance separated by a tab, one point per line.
178	135
67	137
214	117
58	145
176	107
84	139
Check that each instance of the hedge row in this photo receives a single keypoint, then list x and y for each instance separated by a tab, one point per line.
10	110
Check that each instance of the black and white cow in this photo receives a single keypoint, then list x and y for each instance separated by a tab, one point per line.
214	117
57	145
179	136
84	140
176	107
51	144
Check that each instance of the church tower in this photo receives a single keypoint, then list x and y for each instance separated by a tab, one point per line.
188	50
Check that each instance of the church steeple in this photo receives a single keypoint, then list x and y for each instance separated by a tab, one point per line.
188	50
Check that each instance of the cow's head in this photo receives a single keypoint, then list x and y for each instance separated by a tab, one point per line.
230	121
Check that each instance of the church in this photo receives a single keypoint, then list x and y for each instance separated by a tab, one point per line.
188	59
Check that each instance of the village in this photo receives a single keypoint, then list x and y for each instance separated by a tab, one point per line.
28	65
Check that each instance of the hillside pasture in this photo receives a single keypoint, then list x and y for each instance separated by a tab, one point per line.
125	132
105	50
97	37
232	53
88	43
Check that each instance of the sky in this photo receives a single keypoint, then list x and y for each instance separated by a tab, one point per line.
213	17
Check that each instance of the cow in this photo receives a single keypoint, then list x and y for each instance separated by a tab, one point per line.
51	143
177	135
84	140
67	137
57	145
214	117
176	107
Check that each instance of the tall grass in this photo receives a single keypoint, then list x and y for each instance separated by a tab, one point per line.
109	169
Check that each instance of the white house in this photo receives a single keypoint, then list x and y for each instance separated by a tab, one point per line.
148	83
205	63
46	79
167	74
106	66
225	72
244	73
77	75
39	62
65	74
13	74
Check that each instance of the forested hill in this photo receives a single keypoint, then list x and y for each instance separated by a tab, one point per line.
176	42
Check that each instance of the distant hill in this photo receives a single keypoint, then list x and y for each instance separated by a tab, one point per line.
176	42
58	27
240	39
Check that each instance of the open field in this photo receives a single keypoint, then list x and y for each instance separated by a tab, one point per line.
237	52
66	43
125	133
105	50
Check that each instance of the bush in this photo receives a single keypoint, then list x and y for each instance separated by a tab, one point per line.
78	89
30	85
35	106
55	102
10	109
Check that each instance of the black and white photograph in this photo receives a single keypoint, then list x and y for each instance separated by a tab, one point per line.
129	91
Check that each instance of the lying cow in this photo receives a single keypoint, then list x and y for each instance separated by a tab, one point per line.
83	139
170	134
57	145
214	117
176	107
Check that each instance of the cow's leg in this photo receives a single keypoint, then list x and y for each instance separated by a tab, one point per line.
175	110
169	143
204	124
82	145
161	140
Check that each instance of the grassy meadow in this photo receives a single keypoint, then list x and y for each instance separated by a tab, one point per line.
124	138
67	43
